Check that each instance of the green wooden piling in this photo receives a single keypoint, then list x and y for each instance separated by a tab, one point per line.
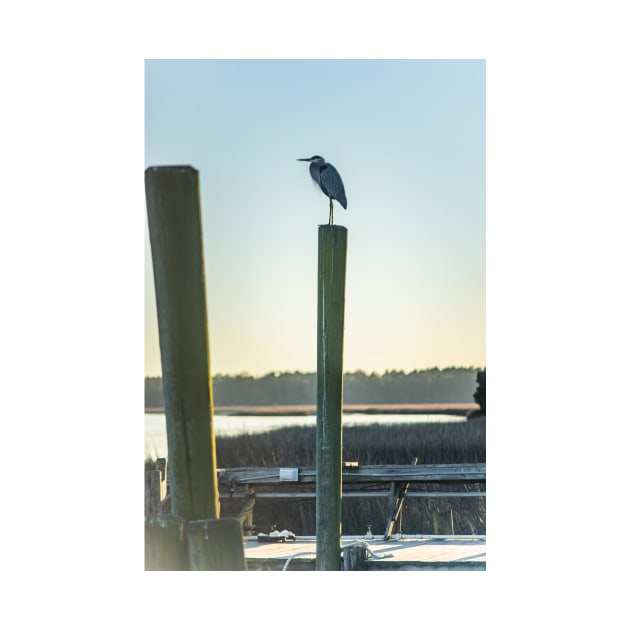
173	208
331	271
165	544
216	545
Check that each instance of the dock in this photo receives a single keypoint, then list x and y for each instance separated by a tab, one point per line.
442	550
403	553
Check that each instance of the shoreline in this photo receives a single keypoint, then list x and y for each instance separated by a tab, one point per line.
451	409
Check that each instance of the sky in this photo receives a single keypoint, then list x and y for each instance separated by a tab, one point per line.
408	138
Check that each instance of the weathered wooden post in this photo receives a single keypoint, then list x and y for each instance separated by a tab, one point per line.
397	497
354	558
152	492
174	214
330	319
160	464
443	522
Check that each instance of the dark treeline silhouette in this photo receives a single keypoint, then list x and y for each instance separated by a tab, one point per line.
435	385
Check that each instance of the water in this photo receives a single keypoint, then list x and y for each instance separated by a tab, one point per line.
155	442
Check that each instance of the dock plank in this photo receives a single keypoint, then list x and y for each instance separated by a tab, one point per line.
404	554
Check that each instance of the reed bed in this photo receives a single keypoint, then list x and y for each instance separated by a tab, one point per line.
432	443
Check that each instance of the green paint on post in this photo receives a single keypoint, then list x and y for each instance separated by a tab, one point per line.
165	544
216	545
331	273
173	207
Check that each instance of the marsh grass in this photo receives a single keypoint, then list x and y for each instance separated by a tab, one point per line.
432	443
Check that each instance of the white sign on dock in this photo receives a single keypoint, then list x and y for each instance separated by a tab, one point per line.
288	474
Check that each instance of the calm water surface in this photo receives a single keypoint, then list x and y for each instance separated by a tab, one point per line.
155	442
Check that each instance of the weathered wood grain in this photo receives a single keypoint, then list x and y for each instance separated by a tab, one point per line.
174	217
377	473
331	273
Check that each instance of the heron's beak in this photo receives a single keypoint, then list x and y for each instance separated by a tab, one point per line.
304	159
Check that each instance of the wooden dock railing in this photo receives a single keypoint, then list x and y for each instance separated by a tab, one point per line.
394	480
300	483
352	473
288	481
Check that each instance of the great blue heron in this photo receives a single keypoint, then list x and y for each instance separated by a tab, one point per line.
328	179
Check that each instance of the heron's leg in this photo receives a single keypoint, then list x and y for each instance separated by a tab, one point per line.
330	219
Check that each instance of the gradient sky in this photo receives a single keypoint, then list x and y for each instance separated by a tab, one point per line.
557	203
408	138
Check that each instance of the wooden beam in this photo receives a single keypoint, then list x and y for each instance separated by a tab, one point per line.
153	488
399	492
354	557
331	274
351	494
207	543
174	214
371	473
216	545
165	544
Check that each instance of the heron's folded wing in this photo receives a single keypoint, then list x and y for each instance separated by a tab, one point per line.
331	184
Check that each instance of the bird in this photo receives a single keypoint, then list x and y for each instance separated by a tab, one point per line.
329	181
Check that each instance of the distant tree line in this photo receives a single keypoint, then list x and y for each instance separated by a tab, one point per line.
435	385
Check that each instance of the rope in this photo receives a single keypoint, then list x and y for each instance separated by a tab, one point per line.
295	555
